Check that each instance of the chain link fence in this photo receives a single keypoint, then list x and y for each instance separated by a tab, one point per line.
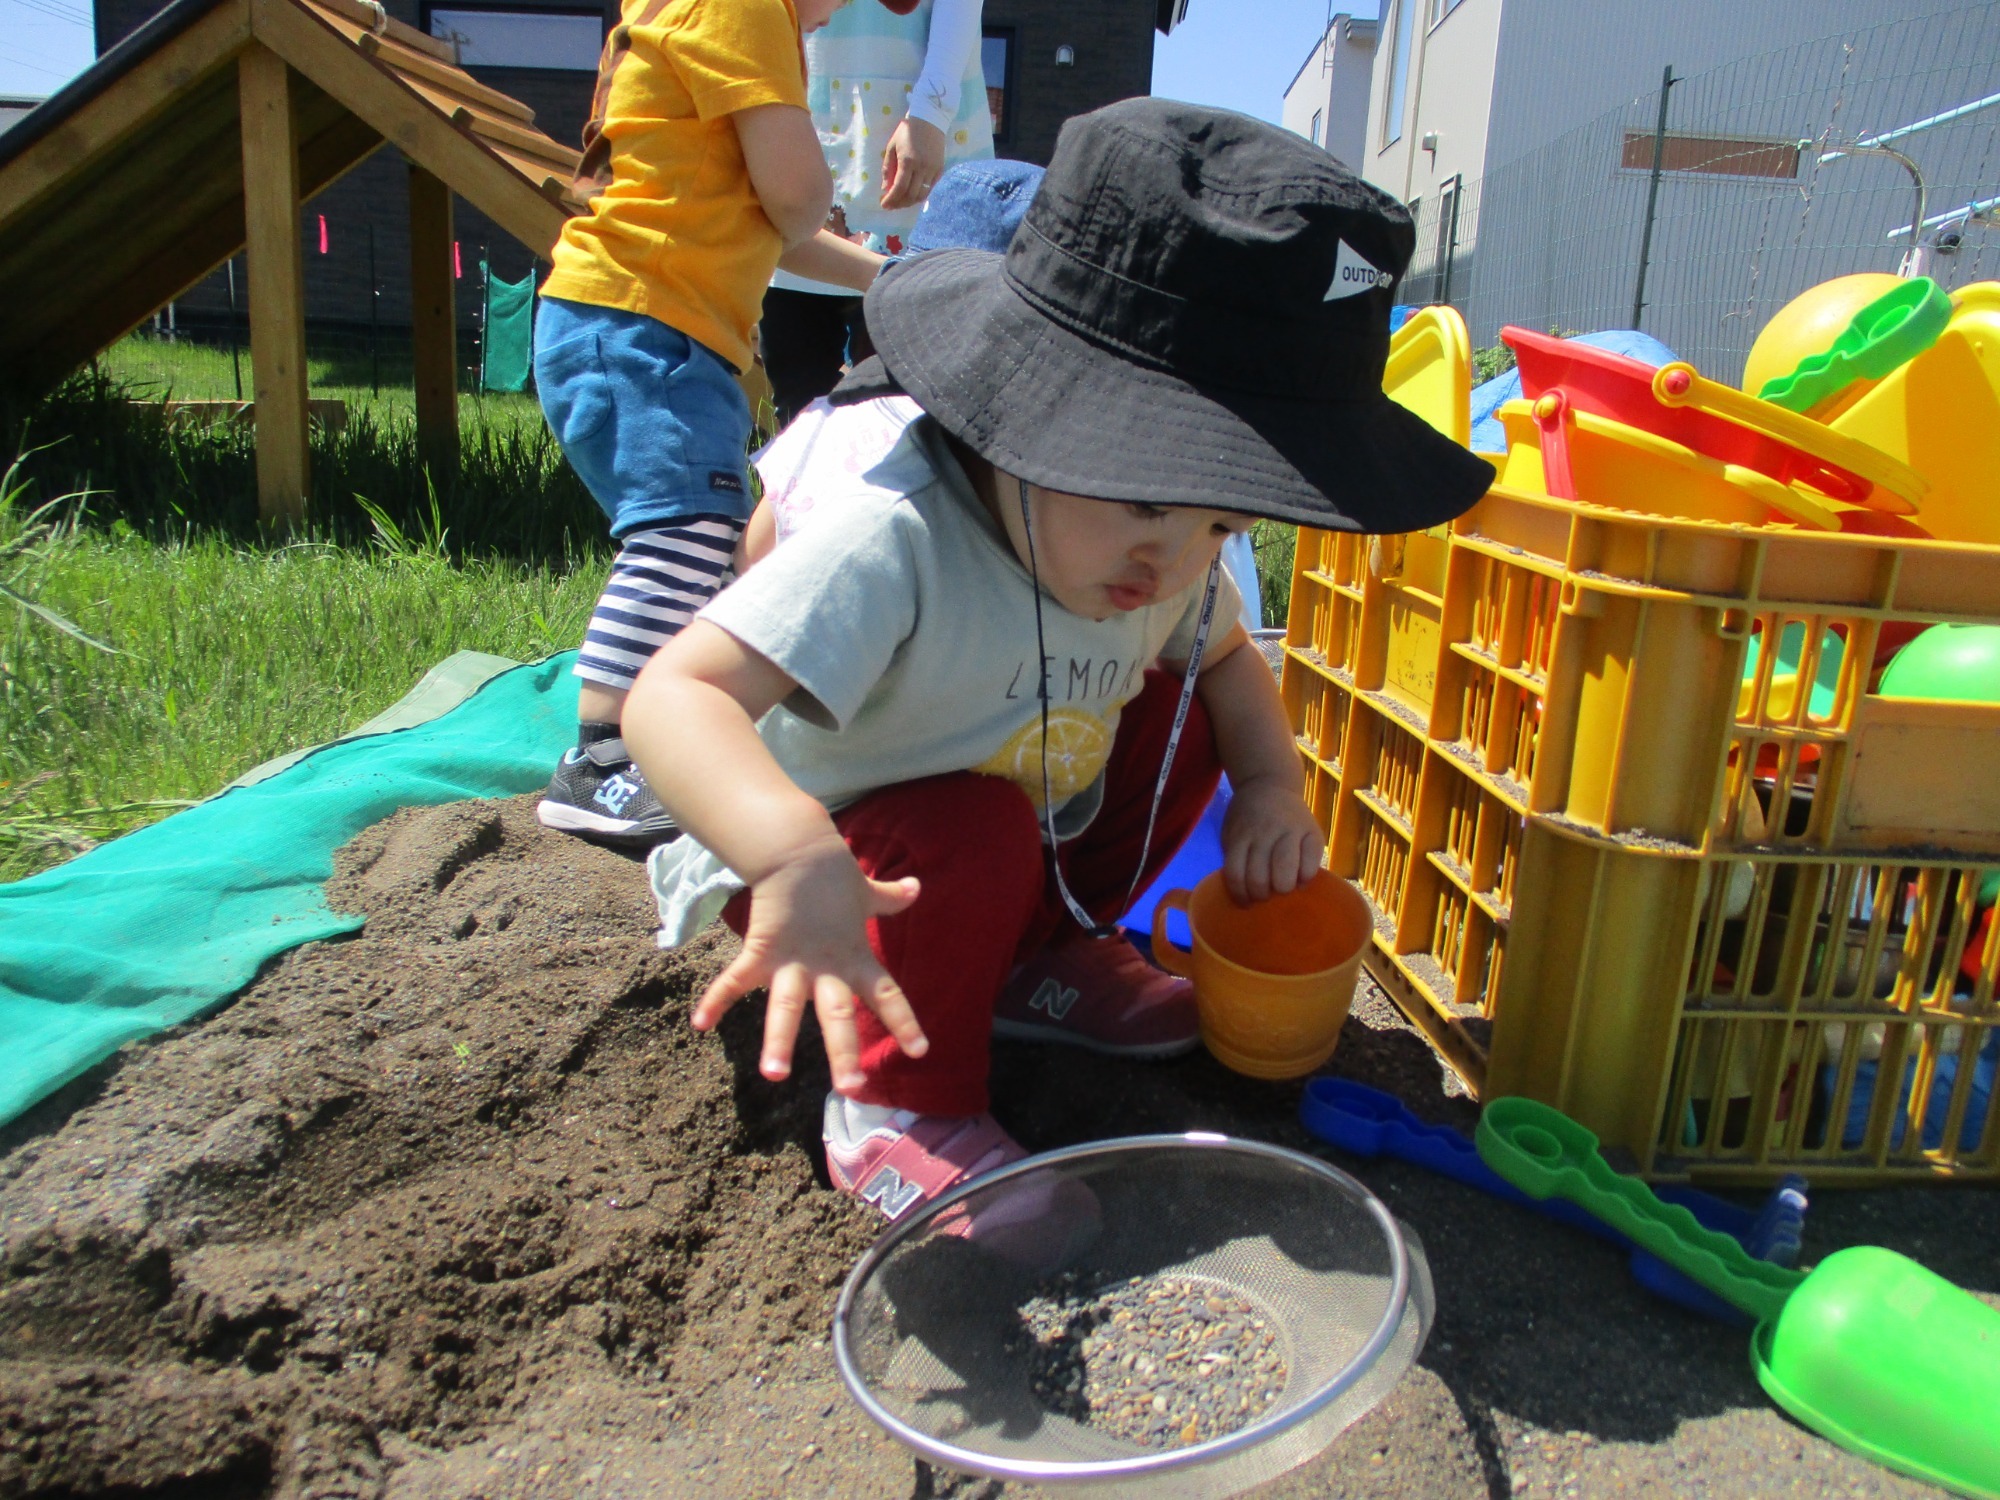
1768	182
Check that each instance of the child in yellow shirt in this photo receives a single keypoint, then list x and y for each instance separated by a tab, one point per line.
704	173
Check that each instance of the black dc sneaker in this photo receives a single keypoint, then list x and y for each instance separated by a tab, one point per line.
598	792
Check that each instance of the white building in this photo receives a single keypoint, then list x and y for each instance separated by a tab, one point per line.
1327	101
1522	132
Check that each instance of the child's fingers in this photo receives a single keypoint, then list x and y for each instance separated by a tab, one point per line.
833	1002
893	172
1288	868
742	976
1235	856
791	991
1310	850
888	897
892	1008
1257	868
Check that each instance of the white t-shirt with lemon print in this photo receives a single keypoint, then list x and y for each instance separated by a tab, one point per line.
909	625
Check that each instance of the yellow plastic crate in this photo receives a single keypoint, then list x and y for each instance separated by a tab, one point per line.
1703	915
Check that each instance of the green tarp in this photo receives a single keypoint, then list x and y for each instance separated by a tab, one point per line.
154	928
509	341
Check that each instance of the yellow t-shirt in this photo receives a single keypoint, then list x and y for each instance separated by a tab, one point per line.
676	231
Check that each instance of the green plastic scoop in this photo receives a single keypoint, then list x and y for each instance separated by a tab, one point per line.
1869	1349
1890	331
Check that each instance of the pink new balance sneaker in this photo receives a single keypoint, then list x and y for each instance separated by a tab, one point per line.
1099	993
895	1159
898	1161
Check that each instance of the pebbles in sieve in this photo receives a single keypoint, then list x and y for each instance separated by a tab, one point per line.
1160	1361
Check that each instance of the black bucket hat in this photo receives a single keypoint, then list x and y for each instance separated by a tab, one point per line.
1194	312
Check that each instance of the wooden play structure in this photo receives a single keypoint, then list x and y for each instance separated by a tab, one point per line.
200	136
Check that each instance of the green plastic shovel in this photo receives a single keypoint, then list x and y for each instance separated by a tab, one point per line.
1890	331
1868	1349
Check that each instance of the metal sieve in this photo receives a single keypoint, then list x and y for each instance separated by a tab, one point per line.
922	1330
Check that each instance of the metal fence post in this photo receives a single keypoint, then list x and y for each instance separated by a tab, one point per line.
1455	190
374	320
1652	195
235	357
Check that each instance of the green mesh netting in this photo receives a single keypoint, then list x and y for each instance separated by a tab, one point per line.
163	924
508	346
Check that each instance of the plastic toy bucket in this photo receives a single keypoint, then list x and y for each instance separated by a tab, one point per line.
1272	981
1573	455
1893	1362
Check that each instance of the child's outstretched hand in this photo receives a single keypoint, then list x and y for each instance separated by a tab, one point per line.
1270	843
807	941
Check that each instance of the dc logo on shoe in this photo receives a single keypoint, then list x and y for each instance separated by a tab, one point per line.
1054	998
889	1192
616	793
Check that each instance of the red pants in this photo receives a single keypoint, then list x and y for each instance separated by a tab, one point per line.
988	903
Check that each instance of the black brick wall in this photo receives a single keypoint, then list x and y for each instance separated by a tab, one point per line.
1113	42
1112	39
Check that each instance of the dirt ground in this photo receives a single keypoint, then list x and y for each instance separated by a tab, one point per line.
461	1207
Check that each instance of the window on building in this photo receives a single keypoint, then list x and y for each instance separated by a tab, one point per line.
522	38
1711	155
1399	71
1442	8
996	61
1319	115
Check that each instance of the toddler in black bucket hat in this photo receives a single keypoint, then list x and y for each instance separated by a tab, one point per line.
925	751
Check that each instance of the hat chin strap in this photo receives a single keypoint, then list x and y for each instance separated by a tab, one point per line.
1083	918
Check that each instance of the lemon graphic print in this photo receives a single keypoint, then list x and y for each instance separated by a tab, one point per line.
1079	744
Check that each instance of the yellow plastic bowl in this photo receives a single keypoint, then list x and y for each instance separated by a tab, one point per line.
1625	468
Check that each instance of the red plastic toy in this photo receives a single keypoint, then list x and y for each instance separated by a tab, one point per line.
1625	390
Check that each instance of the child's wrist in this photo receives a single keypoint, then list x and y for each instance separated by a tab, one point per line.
1286	783
811	846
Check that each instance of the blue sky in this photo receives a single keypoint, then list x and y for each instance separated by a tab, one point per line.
1239	54
43	44
1236	53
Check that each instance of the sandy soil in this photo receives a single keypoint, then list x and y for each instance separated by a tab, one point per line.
461	1207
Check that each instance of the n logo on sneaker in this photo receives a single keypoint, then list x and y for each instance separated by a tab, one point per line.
888	1192
1054	998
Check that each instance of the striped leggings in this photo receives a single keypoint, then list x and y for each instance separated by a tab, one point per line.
660	579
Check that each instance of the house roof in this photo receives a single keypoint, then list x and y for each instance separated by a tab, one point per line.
127	186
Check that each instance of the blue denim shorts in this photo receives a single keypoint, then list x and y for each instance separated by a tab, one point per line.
654	423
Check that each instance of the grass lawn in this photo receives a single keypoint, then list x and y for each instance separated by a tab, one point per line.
224	657
227	648
336	369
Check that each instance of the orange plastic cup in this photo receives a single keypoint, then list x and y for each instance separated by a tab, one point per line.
1272	981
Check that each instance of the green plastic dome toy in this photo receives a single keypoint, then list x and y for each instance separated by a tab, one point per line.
1949	663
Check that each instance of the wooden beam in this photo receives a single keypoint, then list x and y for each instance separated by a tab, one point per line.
196	245
455	81
522	141
277	284
433	324
473	169
371	17
133	101
83	288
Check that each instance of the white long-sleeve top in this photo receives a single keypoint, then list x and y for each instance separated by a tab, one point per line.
868	69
